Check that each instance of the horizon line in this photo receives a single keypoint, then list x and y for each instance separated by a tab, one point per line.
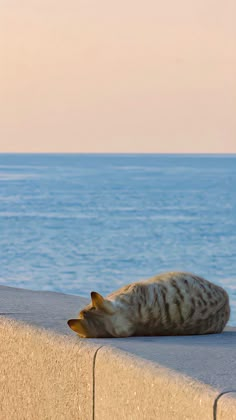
124	153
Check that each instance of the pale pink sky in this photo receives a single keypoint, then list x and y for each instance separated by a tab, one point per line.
124	76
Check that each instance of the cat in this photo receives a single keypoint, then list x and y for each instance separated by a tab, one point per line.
174	303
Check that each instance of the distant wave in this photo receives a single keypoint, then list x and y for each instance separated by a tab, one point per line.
16	177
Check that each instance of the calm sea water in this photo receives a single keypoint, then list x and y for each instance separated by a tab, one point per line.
76	223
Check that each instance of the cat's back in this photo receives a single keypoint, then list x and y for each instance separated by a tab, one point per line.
177	303
187	286
182	285
191	304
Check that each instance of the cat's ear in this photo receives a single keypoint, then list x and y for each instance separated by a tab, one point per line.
100	303
97	300
79	326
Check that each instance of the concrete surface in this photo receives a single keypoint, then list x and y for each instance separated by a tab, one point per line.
43	376
130	378
131	388
225	406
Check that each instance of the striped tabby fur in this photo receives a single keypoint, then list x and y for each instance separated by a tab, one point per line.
168	304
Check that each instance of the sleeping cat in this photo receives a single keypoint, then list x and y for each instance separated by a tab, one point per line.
172	303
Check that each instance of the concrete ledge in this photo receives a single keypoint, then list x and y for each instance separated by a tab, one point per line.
131	388
225	406
47	372
44	376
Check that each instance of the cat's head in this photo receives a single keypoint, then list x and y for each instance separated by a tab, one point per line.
95	320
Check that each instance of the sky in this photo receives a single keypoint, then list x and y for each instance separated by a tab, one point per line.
126	76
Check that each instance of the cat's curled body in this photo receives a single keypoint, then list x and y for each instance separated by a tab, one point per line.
174	303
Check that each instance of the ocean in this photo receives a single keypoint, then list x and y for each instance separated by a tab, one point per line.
74	223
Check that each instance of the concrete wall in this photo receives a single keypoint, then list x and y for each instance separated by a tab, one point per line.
225	406
132	388
43	376
47	372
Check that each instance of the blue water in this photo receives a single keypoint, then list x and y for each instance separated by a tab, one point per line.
76	223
